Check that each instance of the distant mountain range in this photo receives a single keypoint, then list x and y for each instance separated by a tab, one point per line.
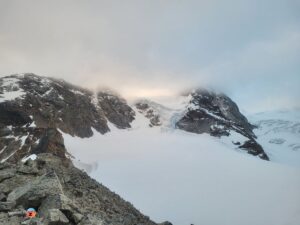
36	167
34	109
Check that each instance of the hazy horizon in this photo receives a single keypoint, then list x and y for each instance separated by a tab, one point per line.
249	50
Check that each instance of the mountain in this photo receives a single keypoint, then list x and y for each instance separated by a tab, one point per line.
36	170
48	125
202	111
218	115
35	109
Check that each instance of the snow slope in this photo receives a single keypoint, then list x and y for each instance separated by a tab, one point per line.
10	89
170	109
279	134
190	179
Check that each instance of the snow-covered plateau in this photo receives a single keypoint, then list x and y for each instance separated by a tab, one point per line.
279	134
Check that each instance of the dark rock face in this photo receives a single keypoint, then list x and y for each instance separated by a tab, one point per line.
116	109
10	115
144	108
55	103
24	141
61	194
209	111
217	115
31	122
254	148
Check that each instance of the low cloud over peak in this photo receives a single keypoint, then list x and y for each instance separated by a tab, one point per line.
248	49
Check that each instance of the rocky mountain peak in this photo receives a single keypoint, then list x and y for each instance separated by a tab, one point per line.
216	114
220	107
34	109
203	111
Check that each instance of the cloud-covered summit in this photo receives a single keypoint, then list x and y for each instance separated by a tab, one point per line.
249	49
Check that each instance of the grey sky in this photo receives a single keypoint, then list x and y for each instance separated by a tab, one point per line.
249	49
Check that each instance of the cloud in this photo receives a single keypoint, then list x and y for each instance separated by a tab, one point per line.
249	49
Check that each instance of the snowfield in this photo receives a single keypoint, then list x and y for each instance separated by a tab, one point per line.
188	178
279	134
11	89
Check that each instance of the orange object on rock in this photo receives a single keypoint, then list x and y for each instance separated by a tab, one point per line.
30	213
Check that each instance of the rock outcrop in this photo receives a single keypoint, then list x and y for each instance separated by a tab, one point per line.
61	194
115	109
33	109
217	115
149	112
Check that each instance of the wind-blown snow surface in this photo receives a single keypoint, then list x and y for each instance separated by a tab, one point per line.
279	134
188	178
11	89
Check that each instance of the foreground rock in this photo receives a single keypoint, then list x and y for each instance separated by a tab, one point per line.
61	194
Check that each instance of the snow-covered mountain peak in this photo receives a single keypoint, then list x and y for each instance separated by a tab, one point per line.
35	109
45	105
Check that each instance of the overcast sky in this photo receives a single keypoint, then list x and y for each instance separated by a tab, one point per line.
248	49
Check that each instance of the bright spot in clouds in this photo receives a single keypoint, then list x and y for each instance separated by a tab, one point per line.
249	49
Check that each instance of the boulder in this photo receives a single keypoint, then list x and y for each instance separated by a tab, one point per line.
56	217
64	204
2	197
24	169
6	206
92	220
4	165
34	221
6	174
8	185
6	220
32	194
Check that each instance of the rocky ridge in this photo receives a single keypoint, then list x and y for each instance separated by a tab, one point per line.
149	112
61	194
206	112
216	114
34	109
34	112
